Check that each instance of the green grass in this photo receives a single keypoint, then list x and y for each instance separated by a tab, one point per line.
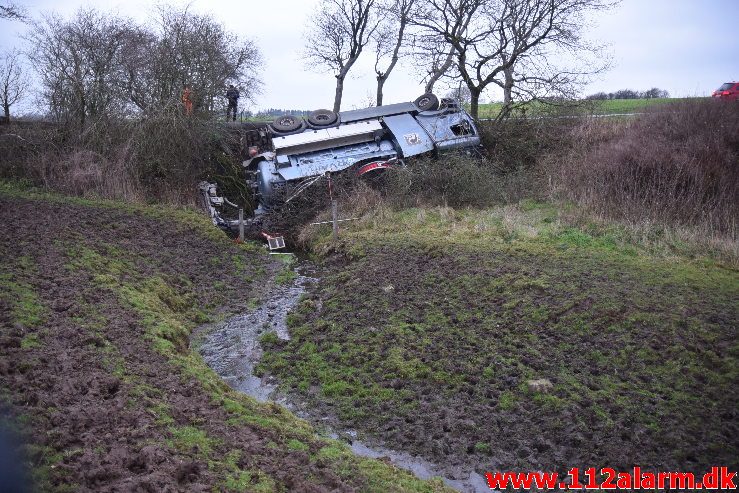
612	106
285	276
17	291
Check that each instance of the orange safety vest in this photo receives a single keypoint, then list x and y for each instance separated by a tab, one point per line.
187	100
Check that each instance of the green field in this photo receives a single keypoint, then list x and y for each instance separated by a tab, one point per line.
613	106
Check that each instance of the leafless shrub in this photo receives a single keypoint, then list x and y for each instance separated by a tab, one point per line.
89	174
160	158
677	164
456	180
518	144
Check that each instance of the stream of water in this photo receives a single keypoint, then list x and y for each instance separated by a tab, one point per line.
232	350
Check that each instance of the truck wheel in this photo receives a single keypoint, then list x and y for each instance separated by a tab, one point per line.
427	102
287	123
322	118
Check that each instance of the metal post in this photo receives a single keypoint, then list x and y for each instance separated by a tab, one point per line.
241	224
335	219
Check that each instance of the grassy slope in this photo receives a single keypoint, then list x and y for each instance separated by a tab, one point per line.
167	309
442	309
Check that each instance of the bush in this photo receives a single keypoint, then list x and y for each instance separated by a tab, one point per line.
456	180
676	164
517	144
158	158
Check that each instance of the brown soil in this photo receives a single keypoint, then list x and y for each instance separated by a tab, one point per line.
95	401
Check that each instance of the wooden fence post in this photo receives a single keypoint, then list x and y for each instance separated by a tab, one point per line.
241	225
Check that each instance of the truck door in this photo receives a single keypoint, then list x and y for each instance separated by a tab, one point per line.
408	134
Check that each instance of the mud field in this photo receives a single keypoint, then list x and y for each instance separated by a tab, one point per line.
96	306
525	358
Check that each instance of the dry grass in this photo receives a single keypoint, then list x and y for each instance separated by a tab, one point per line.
675	166
90	174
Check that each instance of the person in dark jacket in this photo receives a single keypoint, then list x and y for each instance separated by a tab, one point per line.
233	101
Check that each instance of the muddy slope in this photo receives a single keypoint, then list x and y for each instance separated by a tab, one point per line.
96	305
525	358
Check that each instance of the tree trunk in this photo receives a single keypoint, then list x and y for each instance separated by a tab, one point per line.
508	83
474	102
436	74
82	110
380	83
339	92
340	81
381	78
508	86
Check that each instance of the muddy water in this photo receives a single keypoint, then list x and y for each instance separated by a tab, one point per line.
232	350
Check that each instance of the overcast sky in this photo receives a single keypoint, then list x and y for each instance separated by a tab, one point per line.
687	47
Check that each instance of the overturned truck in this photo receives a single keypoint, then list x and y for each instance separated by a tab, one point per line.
288	155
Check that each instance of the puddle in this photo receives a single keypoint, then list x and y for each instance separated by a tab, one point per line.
472	482
232	350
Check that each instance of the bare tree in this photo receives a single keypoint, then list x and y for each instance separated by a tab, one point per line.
511	44
340	30
9	10
189	50
461	93
441	61
430	51
96	65
389	39
80	64
13	82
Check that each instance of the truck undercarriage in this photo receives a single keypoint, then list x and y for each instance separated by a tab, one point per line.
285	157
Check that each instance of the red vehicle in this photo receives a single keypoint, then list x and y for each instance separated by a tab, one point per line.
728	91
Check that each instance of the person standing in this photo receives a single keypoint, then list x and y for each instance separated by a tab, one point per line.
233	101
187	100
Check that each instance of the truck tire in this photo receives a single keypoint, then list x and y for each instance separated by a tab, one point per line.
427	102
322	118
287	123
